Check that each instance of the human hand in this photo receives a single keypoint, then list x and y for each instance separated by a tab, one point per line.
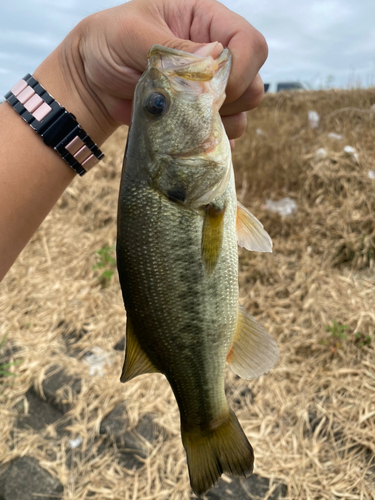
106	54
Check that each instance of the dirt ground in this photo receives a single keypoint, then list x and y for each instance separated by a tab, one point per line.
311	420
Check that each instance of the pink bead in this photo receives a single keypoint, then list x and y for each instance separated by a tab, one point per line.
82	154
33	103
26	94
42	112
74	145
89	162
18	87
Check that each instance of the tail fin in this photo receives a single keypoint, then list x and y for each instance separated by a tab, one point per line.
223	449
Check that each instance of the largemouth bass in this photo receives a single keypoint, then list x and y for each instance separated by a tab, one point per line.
179	224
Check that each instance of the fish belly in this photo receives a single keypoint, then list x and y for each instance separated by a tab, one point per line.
183	317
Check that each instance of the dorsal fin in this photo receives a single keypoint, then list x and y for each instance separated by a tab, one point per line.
253	351
250	232
212	236
136	360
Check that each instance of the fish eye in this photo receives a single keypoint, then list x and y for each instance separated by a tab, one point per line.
155	105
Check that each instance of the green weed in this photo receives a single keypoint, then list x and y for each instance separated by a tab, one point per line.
4	367
337	330
362	339
339	333
106	262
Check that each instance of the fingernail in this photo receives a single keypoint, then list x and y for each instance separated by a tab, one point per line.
206	50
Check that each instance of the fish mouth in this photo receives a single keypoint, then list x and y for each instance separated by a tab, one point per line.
186	65
185	70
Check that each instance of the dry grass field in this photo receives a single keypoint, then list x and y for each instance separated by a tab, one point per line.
311	420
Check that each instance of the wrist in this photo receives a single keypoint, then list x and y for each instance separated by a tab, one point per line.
62	75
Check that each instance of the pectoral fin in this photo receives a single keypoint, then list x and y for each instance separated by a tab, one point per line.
212	236
250	232
253	351
136	360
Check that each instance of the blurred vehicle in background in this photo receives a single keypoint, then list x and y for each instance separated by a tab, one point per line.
279	86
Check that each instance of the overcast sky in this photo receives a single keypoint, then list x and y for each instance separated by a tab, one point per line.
319	41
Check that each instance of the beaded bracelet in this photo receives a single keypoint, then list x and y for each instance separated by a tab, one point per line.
58	128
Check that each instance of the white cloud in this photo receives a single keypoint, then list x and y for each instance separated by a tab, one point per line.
308	40
60	4
16	38
4	56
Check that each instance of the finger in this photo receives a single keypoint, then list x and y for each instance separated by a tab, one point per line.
235	125
250	99
146	27
248	47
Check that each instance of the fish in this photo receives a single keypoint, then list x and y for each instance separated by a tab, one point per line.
179	227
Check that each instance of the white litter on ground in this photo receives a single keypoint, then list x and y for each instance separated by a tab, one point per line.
320	154
352	151
333	135
74	443
371	174
97	359
259	131
313	119
285	206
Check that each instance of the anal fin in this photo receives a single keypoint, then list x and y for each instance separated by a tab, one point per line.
212	236
253	351
136	360
250	232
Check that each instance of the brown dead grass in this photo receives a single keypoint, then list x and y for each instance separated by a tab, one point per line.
311	420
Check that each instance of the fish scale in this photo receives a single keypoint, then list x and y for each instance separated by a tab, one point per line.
179	311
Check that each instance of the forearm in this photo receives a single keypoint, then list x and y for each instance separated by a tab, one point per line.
32	178
32	175
93	74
